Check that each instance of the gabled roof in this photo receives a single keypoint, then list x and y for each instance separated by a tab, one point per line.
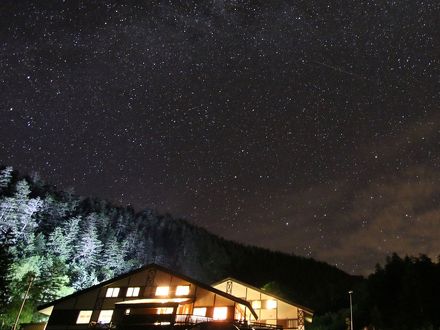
266	293
160	268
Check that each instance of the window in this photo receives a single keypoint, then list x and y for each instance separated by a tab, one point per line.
112	292
199	311
105	316
271	304
162	323
84	317
165	310
220	313
162	290
133	291
127	311
256	304
292	324
182	290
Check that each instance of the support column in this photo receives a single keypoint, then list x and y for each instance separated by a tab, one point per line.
300	319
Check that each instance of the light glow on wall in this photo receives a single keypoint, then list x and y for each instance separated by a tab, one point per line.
271	304
84	317
162	290
220	313
256	304
182	290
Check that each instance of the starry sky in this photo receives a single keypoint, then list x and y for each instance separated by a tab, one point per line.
311	127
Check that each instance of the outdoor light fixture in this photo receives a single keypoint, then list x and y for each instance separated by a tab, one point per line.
271	304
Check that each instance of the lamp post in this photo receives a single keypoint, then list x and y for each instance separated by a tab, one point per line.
351	309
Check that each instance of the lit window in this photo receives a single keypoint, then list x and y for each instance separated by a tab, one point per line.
199	311
271	304
220	313
127	311
182	290
84	317
162	290
112	292
256	304
165	310
133	292
105	316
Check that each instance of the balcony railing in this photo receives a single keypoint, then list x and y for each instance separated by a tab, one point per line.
182	321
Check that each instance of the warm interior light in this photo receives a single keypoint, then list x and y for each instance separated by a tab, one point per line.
165	310
256	304
112	292
154	301
105	316
162	290
133	291
199	311
162	323
182	290
271	304
220	313
84	317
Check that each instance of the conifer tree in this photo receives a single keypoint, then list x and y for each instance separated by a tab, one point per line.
5	265
5	178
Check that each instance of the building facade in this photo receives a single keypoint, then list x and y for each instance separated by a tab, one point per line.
270	309
152	296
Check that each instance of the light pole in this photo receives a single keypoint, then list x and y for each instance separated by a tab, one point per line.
22	304
351	309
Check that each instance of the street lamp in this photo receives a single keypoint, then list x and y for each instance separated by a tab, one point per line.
351	309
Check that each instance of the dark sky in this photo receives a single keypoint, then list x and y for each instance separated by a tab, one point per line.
310	127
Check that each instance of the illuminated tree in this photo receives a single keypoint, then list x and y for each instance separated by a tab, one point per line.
5	265
113	258
87	254
18	211
5	178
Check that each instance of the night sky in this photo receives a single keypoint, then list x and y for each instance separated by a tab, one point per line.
310	127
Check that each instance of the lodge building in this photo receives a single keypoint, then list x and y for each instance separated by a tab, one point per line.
152	297
270	309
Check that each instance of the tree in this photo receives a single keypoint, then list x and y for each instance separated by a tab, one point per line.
5	178
18	211
5	265
112	258
87	255
63	239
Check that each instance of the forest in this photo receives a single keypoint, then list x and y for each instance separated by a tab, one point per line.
63	243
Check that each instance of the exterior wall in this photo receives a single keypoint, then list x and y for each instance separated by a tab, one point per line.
284	314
